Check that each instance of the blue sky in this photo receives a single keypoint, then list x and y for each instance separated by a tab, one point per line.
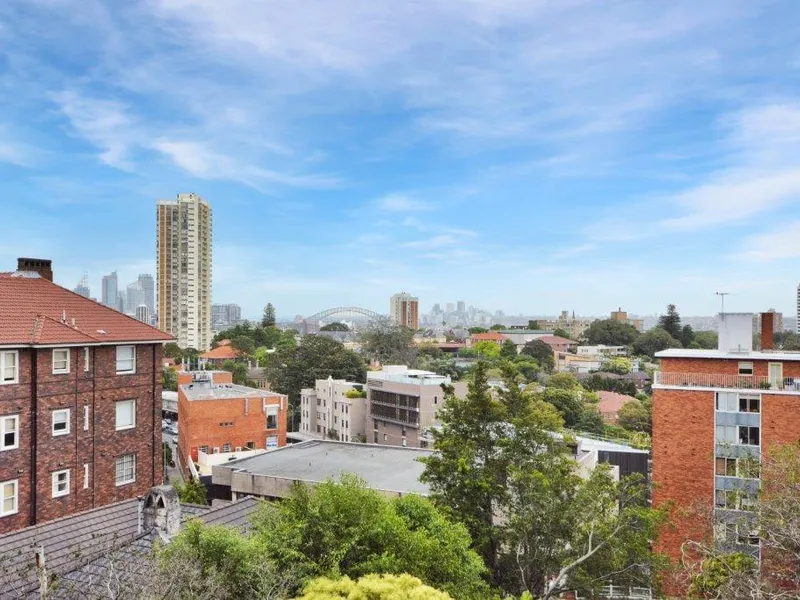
518	154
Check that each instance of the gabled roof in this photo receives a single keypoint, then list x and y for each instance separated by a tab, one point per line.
221	353
611	402
36	311
557	340
489	336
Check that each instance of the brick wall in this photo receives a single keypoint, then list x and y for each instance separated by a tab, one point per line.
92	440
725	366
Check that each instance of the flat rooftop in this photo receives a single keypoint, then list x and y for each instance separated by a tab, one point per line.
731	355
220	391
415	376
387	468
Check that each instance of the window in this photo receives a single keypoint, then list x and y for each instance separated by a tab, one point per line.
726	467
216	450
272	417
126	469
724	532
9	491
126	359
226	447
60	483
385	437
750	404
727	401
375	437
749	436
86	476
237	449
250	445
743	536
745	368
9	432
9	367
126	414
61	421
60	360
86	359
204	449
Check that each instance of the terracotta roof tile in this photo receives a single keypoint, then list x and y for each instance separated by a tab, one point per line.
611	402
490	336
32	309
221	353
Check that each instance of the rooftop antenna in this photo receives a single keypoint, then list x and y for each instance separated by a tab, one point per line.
722	297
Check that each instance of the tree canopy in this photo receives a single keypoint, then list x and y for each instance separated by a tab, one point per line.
654	340
372	587
542	353
610	332
334	327
671	322
388	343
268	318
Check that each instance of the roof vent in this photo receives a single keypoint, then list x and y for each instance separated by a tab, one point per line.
101	331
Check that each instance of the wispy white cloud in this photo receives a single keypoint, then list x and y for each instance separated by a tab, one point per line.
778	243
398	203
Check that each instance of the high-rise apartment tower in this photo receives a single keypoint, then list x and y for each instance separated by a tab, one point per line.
404	310
109	293
183	229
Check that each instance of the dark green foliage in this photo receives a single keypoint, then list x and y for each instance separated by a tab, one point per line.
268	319
474	330
244	345
508	350
635	416
192	492
654	340
707	340
611	333
334	327
590	420
541	353
239	371
597	382
567	402
498	327
169	379
172	350
671	322
388	344
562	333
717	571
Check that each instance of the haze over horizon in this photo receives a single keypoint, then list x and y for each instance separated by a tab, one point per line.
519	155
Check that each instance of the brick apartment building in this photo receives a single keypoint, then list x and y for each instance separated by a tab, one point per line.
714	412
80	401
403	403
215	415
327	412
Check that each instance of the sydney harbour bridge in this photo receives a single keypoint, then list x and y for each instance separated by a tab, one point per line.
351	314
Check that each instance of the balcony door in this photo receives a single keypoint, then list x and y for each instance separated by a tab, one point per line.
776	375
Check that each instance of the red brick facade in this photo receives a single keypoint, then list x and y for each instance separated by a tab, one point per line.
93	443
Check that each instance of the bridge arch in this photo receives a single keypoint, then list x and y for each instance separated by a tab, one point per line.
343	311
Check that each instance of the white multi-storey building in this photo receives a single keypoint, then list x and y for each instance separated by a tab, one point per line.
184	270
326	411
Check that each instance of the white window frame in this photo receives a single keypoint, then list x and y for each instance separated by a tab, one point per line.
53	422
5	429
226	448
272	410
15	496
132	369
3	359
133	414
57	482
86	359
745	363
119	481
59	370
727	402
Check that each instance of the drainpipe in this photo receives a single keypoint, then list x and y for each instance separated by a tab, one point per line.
34	428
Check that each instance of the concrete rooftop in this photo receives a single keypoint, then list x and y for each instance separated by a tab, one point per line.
218	391
387	468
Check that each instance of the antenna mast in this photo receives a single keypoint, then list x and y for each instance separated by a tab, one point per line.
722	297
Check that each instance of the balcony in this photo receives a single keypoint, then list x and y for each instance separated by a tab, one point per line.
716	380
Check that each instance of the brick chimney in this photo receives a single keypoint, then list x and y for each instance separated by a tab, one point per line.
42	266
767	330
161	510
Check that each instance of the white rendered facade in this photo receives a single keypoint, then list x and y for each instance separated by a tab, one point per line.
184	270
404	310
327	413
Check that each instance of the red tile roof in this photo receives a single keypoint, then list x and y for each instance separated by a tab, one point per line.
557	340
490	336
611	402
32	309
225	352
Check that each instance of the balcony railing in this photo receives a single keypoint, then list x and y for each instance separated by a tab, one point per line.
716	380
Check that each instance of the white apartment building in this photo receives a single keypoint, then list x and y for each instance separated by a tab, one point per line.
183	228
601	350
404	310
326	412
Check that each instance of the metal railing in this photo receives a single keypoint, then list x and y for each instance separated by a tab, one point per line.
631	593
717	380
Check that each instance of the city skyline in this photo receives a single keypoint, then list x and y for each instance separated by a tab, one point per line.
530	164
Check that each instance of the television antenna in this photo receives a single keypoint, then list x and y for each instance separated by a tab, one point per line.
722	297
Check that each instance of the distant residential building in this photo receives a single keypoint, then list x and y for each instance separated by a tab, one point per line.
622	316
217	356
82	289
777	321
610	403
573	325
404	310
461	306
450	307
559	344
402	403
143	314
109	295
224	316
489	336
183	232
327	412
217	416
520	337
578	364
601	350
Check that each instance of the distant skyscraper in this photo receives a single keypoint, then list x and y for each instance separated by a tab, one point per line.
109	293
183	231
462	307
149	287
450	307
120	302
134	297
404	310
797	323
83	286
225	315
143	313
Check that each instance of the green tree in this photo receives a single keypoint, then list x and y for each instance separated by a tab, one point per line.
527	367
372	587
498	327
611	332
654	340
388	343
508	350
268	318
542	353
706	339
590	420
619	365
567	402
173	351
686	337
474	330
244	345
487	349
169	379
671	322
562	333
533	325
334	327
239	371
192	492
441	365
347	529
563	381
635	416
598	382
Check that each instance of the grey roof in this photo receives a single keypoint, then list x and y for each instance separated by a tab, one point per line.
217	391
81	548
387	468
